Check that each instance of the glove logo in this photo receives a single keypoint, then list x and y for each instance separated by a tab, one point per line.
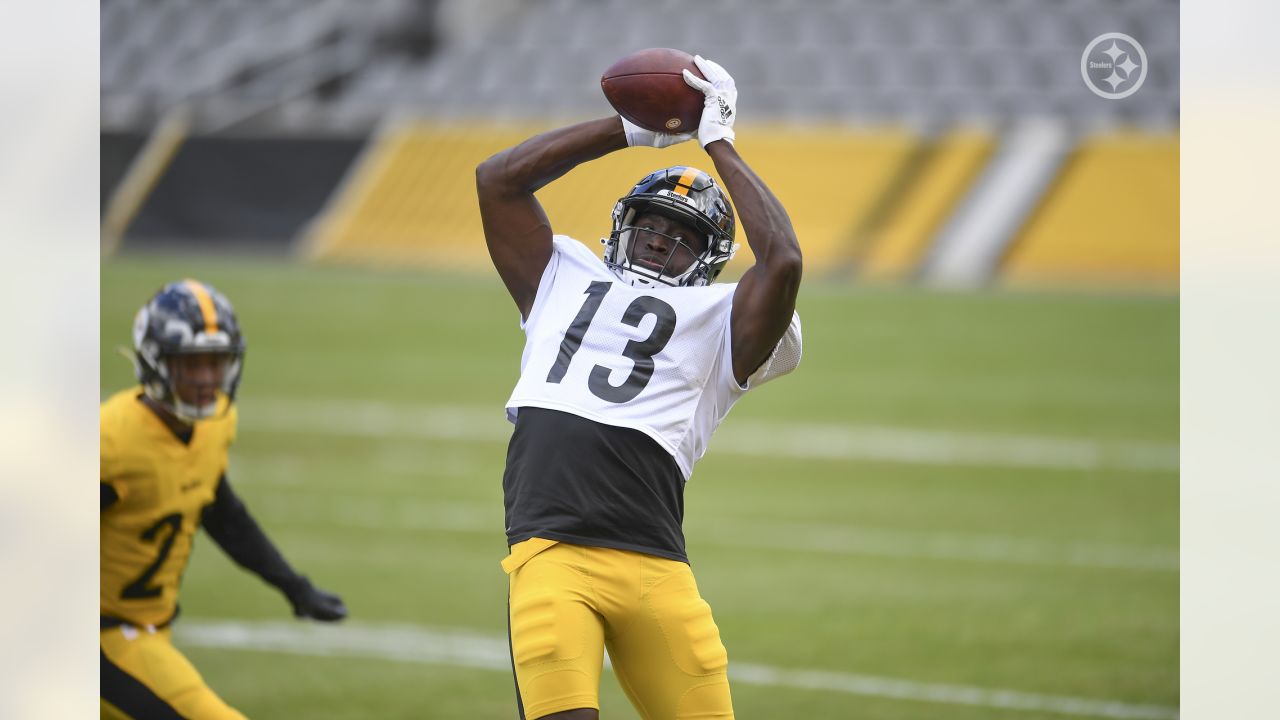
726	112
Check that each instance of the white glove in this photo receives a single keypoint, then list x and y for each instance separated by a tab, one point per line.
720	108
638	136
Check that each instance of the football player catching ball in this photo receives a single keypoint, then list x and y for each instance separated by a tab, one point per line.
629	365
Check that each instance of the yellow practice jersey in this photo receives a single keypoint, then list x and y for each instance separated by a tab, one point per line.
162	485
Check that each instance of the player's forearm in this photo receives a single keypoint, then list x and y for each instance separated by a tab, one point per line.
764	221
230	525
543	158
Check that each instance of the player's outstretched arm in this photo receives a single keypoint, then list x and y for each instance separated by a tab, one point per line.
229	523
515	227
766	295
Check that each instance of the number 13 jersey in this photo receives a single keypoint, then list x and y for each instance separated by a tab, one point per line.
656	361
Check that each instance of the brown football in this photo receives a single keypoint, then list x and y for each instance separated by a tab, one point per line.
647	87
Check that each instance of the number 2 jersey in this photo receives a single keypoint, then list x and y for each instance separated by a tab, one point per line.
620	391
161	485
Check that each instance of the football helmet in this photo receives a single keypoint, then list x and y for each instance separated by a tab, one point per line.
185	317
686	195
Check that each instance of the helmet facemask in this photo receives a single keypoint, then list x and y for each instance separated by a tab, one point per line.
689	197
684	265
168	377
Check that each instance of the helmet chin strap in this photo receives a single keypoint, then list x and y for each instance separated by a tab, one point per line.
637	279
192	413
163	395
634	279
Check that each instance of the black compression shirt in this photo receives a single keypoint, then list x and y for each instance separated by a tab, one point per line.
583	482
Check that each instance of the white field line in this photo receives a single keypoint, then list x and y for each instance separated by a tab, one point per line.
802	440
379	513
466	648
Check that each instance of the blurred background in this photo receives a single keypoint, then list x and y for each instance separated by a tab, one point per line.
965	502
942	142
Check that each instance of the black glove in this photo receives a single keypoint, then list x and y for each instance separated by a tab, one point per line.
309	601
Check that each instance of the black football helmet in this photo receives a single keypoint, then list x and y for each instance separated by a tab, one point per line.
185	317
684	194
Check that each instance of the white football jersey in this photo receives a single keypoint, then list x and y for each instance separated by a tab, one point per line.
657	360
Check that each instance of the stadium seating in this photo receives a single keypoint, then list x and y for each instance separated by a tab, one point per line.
831	59
924	102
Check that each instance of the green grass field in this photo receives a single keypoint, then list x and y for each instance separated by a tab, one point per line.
975	490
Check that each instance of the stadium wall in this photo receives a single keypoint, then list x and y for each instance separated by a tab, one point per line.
1111	216
117	152
251	193
868	203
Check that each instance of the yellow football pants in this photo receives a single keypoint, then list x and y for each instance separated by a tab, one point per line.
568	603
144	677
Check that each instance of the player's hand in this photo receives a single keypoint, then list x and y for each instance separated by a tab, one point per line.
311	602
639	137
720	108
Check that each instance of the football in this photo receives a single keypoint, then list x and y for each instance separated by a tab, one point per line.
647	87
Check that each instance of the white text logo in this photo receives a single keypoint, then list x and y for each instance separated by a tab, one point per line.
1114	66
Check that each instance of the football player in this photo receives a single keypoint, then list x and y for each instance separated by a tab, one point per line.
163	474
629	365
